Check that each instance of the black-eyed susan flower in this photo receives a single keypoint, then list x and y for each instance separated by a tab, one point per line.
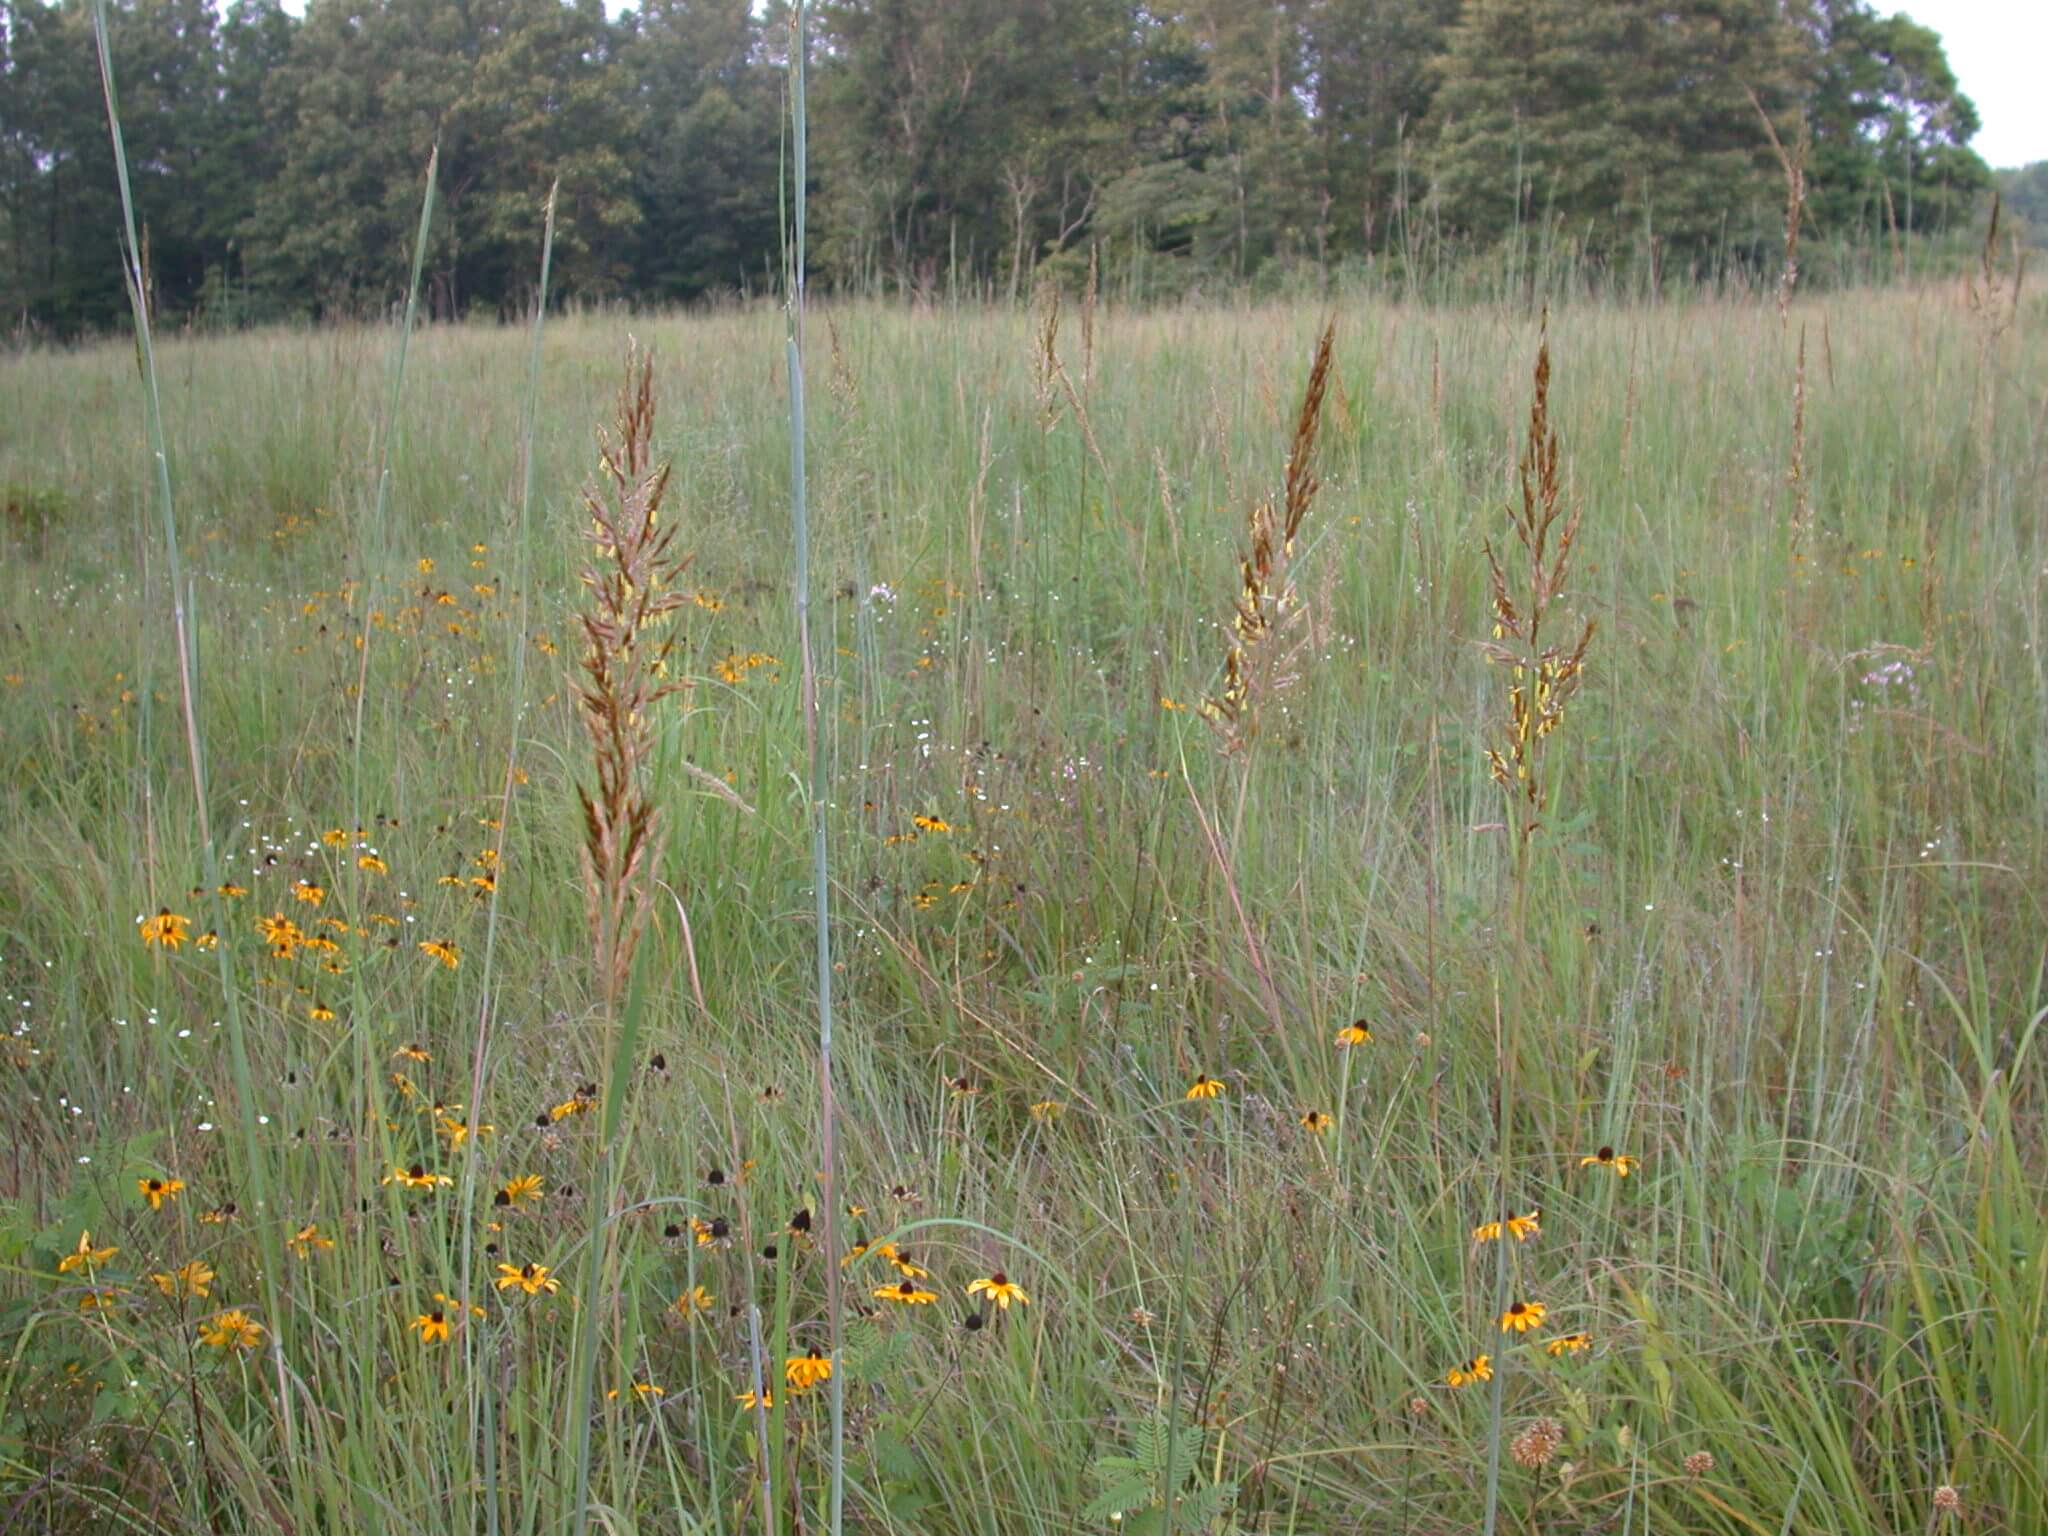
1316	1122
716	1231
208	941
1521	1316
320	1013
443	950
931	824
372	864
309	1240
417	1177
1204	1087
904	1264
906	1293
644	1390
1521	1228
1620	1162
85	1256
456	1132
749	1400
231	1330
578	1103
230	891
530	1278
1357	1032
282	935
431	1325
802	1372
1569	1344
1478	1368
100	1300
220	1215
192	1279
157	1190
696	1299
1047	1109
523	1190
168	929
334	837
1000	1289
305	890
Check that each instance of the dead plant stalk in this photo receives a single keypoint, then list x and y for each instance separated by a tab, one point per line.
1266	637
1542	676
630	589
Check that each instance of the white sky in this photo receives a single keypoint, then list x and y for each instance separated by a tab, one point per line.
1998	49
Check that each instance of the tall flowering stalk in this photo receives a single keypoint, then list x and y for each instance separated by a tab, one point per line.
1263	622
630	586
1542	675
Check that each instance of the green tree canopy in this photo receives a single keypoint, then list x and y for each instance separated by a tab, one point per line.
278	161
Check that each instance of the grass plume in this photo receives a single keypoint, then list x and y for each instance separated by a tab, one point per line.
1264	634
630	591
1543	674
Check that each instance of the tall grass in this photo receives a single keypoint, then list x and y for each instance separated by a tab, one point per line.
1783	944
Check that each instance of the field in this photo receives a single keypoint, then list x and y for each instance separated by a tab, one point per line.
1774	937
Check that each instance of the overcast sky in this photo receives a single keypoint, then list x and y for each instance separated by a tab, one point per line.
1999	50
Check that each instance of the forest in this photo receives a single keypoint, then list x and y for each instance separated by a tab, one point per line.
957	145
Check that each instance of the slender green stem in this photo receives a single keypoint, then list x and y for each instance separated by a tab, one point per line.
1503	1075
820	862
522	554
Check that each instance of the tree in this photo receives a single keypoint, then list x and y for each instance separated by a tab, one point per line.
1369	63
514	93
62	195
968	132
1891	129
2026	198
1624	121
703	112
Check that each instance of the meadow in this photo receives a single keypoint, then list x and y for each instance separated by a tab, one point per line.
1333	1137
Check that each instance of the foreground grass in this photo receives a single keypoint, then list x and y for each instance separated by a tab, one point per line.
1781	938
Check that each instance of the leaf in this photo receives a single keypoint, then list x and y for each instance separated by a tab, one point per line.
1148	1444
1184	1453
895	1459
1116	1469
1118	1499
1200	1507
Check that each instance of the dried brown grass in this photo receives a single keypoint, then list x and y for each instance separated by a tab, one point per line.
630	590
1543	675
1265	629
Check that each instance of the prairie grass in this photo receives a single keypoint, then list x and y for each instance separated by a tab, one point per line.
1782	941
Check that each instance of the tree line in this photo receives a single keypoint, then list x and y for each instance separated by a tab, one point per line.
278	161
